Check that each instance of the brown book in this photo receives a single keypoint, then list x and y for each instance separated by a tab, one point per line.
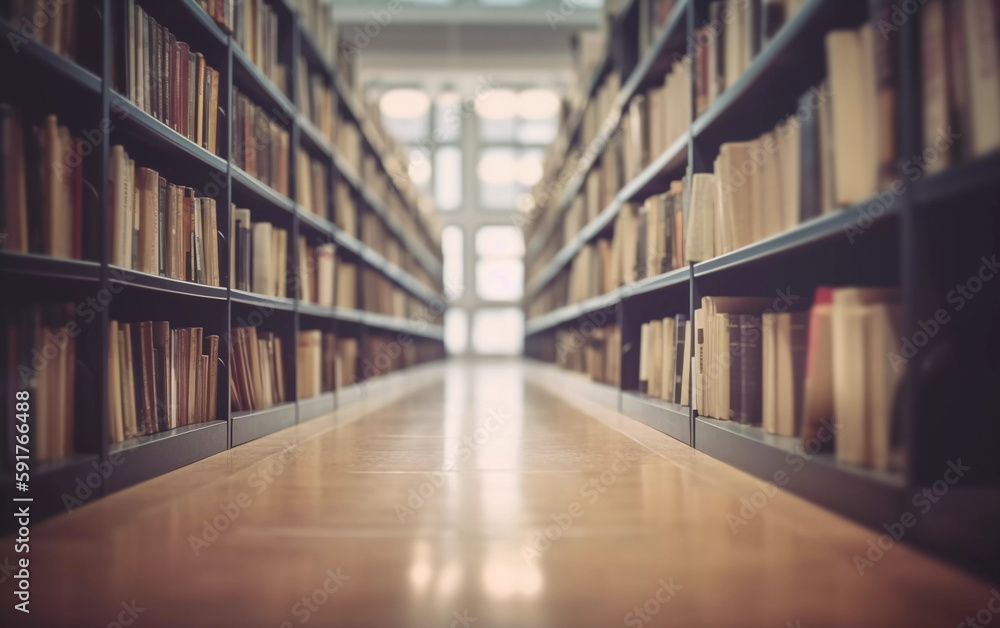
127	393
116	418
182	366
170	78
161	349
194	353
201	106
142	339
213	377
213	112
199	388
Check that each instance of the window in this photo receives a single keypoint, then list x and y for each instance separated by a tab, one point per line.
448	178
452	243
498	331
499	265
456	330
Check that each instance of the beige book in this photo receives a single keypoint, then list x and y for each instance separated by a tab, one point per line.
852	83
980	29
116	426
699	244
644	357
689	364
654	360
769	378
263	263
789	161
849	327
325	261
934	79
119	205
884	334
668	356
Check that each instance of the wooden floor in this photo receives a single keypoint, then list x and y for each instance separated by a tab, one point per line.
426	505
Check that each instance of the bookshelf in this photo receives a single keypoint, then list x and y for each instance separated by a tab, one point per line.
41	74
928	238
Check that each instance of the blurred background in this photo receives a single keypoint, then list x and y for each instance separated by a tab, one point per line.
475	90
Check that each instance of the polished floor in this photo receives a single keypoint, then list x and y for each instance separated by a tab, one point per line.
475	494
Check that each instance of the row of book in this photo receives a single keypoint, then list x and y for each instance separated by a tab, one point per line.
311	183
768	185
596	353
383	296
254	26
326	279
257	377
59	29
324	363
260	144
317	101
159	378
258	257
791	371
664	370
41	185
655	120
41	360
159	227
746	28
163	76
317	17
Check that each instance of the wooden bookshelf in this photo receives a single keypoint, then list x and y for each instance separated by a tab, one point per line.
933	233
136	294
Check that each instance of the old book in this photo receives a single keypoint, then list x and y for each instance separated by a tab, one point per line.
162	366
700	243
885	47
115	416
854	103
263	280
644	358
142	347
681	347
654	360
983	65
325	259
668	358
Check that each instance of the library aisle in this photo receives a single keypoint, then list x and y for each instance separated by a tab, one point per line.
477	494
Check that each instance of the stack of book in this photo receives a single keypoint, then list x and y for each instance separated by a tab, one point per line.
58	30
664	370
257	378
41	359
316	100
161	228
258	256
793	371
41	170
311	184
163	76
158	378
260	144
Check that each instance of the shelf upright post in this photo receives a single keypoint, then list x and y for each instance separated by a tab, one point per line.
227	149
294	144
103	238
912	229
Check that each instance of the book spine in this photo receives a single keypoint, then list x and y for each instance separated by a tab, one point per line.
751	369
